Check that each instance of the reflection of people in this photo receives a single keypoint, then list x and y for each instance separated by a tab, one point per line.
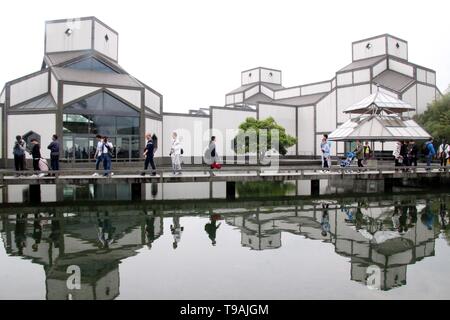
325	223
427	217
105	231
37	232
55	232
150	230
19	232
403	220
443	214
211	229
176	230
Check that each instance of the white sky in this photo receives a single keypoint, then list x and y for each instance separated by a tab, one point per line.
193	51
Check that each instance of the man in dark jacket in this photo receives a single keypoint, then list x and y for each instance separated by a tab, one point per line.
36	154
19	154
404	153
149	154
412	153
54	153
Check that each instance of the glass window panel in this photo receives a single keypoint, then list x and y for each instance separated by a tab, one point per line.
123	147
91	64
81	148
114	106
76	123
68	147
128	125
104	125
87	105
135	148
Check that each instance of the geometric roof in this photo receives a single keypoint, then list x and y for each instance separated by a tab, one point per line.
45	102
379	127
378	102
393	80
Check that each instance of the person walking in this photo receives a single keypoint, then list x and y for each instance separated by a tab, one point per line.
443	153
359	151
54	153
397	154
149	154
175	154
325	148
367	152
429	152
329	146
107	154
98	154
212	154
19	154
404	153
412	153
35	153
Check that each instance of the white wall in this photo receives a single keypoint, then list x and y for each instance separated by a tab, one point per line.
361	76
251	92
409	96
155	126
108	48
361	52
29	88
226	124
72	92
54	87
306	131
57	40
250	76
379	67
326	113
425	95
192	133
189	190
421	75
316	88
287	93
284	116
344	78
270	76
131	96
348	96
431	78
401	68
401	51
152	101
267	92
42	124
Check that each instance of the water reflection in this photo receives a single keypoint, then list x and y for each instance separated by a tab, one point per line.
388	234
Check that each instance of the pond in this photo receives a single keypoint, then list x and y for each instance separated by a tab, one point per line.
336	246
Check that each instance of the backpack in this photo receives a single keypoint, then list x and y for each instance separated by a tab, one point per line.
425	149
18	151
181	151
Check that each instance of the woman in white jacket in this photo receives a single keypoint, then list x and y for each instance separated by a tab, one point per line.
175	154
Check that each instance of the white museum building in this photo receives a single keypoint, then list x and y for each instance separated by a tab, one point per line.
81	91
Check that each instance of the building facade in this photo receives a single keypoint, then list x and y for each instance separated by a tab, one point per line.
81	90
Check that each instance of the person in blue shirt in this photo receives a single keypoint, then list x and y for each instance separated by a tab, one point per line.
430	152
149	154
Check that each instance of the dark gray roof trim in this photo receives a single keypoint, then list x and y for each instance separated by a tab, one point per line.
310	99
364	63
393	80
96	78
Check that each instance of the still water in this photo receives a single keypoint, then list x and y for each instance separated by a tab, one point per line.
332	247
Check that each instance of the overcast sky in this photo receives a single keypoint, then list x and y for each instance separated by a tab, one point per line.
193	51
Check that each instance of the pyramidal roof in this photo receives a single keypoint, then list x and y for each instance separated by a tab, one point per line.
379	102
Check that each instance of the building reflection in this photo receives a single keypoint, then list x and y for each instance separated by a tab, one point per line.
389	235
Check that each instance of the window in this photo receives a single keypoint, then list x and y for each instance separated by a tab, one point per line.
91	64
105	115
101	103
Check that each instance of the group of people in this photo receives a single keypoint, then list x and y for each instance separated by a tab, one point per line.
406	153
39	164
104	154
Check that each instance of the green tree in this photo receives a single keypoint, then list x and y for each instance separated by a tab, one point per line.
263	129
436	119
